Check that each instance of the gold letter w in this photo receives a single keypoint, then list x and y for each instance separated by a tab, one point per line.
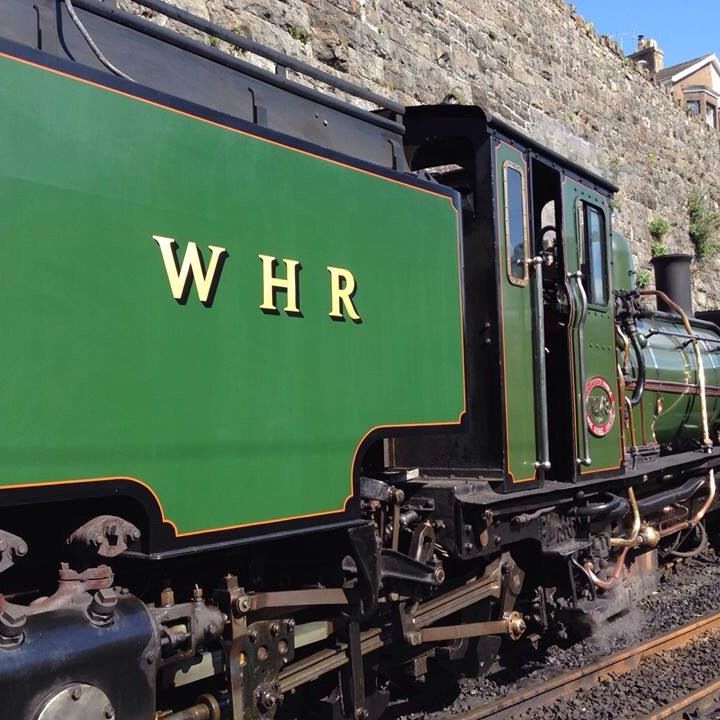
191	270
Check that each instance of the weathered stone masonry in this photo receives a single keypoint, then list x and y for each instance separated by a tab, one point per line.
534	63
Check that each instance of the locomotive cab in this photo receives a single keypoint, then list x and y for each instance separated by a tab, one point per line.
538	301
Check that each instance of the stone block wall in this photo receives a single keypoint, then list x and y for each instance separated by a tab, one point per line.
536	64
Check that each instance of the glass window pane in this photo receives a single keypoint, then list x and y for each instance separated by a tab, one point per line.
710	115
515	215
595	245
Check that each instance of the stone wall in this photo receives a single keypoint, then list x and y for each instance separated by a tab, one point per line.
537	65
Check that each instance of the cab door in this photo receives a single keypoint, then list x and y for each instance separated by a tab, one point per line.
591	326
516	318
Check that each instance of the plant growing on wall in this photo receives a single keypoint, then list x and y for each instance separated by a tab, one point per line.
704	223
643	279
298	33
659	228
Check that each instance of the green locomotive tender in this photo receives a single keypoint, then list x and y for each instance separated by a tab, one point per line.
301	397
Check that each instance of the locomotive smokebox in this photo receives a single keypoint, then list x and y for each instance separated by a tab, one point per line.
672	276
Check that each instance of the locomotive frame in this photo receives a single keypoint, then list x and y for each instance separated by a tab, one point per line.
545	436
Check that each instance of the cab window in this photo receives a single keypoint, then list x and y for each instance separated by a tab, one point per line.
594	266
516	224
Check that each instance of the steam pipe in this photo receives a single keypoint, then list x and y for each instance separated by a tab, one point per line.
632	540
614	577
608	507
693	521
655	503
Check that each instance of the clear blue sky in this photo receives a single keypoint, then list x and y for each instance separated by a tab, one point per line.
684	29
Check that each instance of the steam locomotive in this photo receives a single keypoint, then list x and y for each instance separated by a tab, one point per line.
299	398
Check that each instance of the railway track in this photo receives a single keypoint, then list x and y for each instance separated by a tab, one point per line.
703	701
700	704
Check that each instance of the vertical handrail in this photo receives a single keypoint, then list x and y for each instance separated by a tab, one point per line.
543	461
581	318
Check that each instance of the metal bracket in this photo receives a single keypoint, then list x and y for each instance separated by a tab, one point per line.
397	566
254	653
48	32
12	547
108	535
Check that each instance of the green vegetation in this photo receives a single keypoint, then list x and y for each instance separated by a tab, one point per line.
614	166
611	168
298	33
643	279
659	228
657	248
704	223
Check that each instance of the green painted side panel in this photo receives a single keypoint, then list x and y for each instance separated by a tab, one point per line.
516	309
231	415
623	270
599	337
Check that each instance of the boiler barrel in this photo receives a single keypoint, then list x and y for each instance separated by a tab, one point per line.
671	400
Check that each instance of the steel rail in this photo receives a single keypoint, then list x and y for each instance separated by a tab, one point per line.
566	684
698	703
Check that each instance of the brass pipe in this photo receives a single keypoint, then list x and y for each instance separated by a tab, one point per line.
632	540
614	577
625	345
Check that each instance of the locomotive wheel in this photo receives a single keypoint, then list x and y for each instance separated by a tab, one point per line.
472	657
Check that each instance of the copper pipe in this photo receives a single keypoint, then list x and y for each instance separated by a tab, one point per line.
693	521
614	577
632	540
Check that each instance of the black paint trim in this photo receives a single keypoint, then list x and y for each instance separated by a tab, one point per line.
571	168
159	542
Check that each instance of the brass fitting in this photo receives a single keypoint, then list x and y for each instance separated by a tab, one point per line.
649	536
515	624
